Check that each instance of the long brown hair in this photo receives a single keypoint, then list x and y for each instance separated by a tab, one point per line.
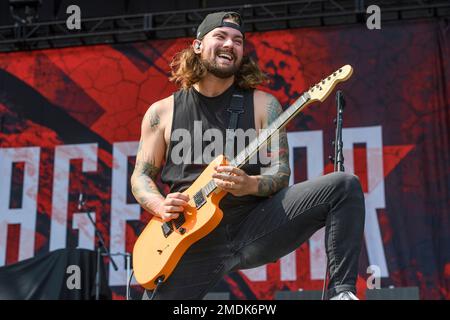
187	69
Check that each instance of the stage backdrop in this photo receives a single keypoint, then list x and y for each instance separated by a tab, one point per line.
70	123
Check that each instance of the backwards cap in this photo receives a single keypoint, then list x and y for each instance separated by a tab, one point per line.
215	20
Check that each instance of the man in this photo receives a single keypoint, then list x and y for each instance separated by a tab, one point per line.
264	219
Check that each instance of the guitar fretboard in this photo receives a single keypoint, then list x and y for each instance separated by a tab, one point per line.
262	138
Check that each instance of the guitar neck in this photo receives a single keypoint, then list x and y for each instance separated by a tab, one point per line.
268	132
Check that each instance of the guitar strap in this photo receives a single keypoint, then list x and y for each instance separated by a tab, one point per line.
236	108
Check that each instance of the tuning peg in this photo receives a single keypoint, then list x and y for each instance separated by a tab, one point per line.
323	81
340	70
329	78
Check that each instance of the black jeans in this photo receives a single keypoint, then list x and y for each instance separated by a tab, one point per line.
273	228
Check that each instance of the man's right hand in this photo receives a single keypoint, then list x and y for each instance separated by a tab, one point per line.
172	205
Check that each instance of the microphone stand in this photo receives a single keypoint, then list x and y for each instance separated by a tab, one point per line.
127	257
100	246
338	158
338	144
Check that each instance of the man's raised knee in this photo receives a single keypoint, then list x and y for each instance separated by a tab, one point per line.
347	181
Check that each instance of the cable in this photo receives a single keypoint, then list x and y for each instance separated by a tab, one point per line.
325	281
158	283
129	285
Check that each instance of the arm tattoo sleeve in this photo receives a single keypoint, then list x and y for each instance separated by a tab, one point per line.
144	180
277	177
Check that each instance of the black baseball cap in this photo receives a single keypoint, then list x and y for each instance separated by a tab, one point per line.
215	20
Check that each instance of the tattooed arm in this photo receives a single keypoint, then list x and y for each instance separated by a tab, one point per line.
152	148
277	176
148	161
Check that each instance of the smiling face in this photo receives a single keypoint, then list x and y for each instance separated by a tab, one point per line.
221	51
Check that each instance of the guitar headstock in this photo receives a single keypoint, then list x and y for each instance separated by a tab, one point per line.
323	88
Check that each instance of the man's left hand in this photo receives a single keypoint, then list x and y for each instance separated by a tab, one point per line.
234	180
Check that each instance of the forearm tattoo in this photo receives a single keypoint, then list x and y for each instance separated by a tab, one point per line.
143	182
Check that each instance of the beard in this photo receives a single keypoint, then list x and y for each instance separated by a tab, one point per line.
221	71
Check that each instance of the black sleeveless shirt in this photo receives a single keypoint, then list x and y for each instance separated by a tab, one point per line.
191	106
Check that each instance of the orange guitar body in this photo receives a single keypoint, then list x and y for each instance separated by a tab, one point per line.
155	255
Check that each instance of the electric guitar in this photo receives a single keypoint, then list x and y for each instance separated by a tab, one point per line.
161	244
